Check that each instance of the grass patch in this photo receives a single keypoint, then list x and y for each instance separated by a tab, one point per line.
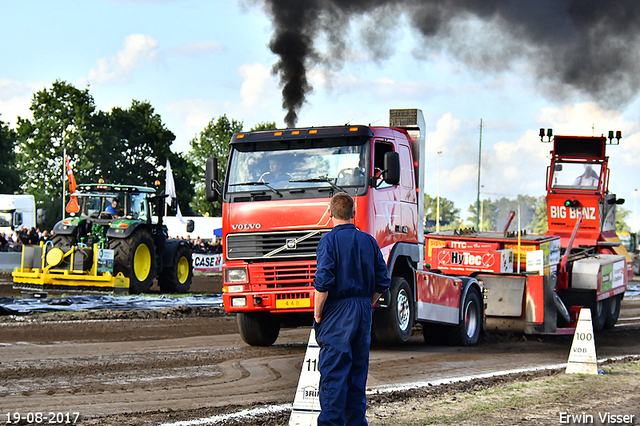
519	402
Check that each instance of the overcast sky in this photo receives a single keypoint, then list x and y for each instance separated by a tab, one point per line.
196	60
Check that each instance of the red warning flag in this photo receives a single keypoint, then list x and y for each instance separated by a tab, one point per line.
72	206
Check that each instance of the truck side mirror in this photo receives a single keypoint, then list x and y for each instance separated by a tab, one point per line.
392	168
17	219
190	226
620	201
211	179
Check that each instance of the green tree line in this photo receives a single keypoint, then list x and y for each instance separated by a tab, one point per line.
131	146
122	146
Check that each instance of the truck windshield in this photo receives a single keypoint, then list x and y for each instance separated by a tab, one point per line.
313	167
5	219
576	176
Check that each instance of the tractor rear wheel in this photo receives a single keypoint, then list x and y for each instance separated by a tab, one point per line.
177	274
63	240
135	257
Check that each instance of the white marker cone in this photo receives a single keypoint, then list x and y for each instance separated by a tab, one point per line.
306	404
582	358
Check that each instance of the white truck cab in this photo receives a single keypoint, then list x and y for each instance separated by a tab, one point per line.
17	211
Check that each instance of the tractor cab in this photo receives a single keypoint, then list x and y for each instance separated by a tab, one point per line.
578	197
108	202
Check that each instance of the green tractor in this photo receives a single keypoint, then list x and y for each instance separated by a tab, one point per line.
109	242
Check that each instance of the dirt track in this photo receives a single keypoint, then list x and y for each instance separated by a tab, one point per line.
149	367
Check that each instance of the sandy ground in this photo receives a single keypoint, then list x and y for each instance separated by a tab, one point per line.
149	367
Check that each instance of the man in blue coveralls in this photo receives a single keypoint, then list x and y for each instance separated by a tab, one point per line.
350	276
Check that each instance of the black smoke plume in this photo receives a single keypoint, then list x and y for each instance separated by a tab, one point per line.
588	46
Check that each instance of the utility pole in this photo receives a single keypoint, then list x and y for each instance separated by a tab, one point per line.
64	164
438	200
479	167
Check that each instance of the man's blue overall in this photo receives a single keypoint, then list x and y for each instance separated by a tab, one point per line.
351	269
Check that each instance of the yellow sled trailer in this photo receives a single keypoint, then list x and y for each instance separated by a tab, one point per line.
46	268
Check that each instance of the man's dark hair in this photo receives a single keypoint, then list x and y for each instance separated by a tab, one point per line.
342	206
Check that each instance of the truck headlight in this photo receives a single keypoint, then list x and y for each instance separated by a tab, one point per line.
237	275
235	288
238	302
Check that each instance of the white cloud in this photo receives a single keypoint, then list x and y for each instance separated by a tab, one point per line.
581	119
15	99
445	134
458	178
324	78
138	50
507	166
258	87
191	116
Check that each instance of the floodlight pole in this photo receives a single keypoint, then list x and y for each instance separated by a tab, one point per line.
479	167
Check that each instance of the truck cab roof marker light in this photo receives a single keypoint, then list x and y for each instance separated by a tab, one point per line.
617	137
549	134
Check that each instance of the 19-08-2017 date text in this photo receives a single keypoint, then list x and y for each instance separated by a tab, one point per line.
39	418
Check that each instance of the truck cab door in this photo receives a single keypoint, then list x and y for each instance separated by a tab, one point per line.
17	219
386	203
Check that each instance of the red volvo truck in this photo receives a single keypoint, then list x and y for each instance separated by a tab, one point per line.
580	261
275	207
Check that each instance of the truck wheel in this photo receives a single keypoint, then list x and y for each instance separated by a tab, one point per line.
135	257
393	325
468	331
613	312
176	277
599	314
258	328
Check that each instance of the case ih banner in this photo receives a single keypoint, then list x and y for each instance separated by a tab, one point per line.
452	260
207	262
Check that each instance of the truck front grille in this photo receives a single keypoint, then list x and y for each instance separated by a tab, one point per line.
273	245
282	276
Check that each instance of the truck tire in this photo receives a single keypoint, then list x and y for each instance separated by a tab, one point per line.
135	257
613	311
258	328
599	314
468	331
176	276
393	325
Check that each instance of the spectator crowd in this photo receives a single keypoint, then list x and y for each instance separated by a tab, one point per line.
13	241
201	246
